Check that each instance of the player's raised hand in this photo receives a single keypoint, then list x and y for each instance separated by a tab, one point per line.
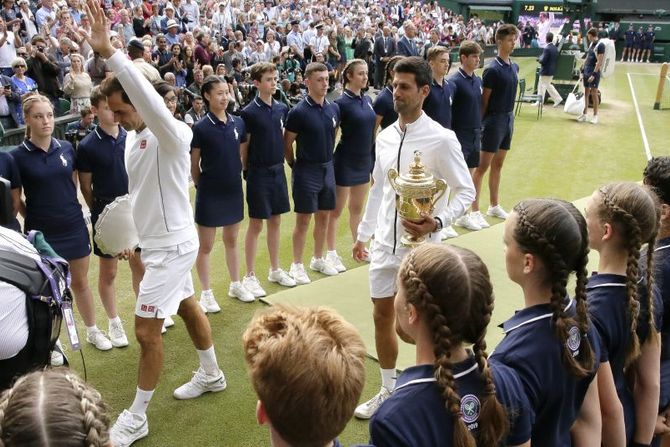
99	35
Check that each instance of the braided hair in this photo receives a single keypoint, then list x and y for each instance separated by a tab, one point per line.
390	65
27	104
54	404
555	232
349	68
631	209
451	286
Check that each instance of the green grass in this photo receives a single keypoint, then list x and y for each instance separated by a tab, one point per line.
552	157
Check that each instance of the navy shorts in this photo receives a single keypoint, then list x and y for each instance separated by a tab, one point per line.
267	191
351	171
471	145
649	46
69	241
497	132
596	80
219	205
313	187
628	45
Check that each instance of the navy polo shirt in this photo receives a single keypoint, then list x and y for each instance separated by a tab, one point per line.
357	125
103	156
467	99
608	307
46	177
591	56
649	36
315	126
265	125
415	414
10	172
661	292
555	395
502	78
629	36
383	106
438	103
219	145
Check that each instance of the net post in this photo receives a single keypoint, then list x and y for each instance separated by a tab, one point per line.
661	85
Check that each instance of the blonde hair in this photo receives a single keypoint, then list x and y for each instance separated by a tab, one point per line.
18	61
29	102
307	366
54	405
436	51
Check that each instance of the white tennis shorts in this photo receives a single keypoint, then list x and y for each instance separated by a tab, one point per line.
167	279
384	266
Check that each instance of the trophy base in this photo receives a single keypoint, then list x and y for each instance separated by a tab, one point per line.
410	241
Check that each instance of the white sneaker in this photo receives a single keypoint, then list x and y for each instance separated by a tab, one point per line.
594	120
201	383
117	335
336	261
478	218
168	322
128	428
581	118
322	266
251	283
297	272
208	302
98	339
497	211
367	409
237	290
448	233
281	277
468	222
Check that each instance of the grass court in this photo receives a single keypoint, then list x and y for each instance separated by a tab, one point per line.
552	157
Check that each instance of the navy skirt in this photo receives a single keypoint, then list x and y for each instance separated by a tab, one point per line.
350	171
68	241
219	205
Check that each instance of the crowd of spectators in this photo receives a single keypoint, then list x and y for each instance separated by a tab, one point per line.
42	45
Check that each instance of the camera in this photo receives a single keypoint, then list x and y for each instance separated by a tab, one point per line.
75	136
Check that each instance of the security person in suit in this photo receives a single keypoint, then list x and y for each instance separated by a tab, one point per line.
385	48
548	61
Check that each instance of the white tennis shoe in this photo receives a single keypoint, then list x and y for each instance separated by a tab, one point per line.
201	383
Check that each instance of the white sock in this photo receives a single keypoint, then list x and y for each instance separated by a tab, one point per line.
332	252
388	378
208	361
115	320
206	292
141	402
91	329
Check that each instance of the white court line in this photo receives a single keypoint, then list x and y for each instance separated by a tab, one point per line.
647	151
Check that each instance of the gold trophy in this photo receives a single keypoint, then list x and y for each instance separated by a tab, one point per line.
416	194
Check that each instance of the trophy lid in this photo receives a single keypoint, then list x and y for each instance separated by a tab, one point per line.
417	175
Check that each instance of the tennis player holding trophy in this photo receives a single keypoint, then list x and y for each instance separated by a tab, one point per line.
387	219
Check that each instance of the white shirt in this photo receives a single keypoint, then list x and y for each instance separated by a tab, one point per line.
320	44
7	51
158	163
13	318
440	154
